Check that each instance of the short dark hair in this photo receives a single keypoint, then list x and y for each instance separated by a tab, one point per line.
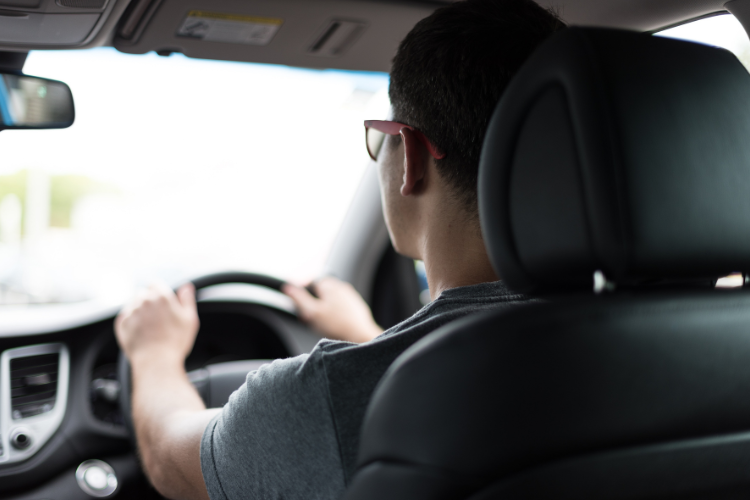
450	71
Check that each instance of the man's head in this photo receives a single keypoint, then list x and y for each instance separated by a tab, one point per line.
447	76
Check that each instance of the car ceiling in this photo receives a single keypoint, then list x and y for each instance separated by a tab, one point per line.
366	32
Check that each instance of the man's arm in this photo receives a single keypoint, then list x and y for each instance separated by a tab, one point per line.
156	333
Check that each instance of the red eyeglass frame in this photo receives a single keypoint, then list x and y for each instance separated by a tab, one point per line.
394	128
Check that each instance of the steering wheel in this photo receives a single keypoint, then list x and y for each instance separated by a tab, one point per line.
215	382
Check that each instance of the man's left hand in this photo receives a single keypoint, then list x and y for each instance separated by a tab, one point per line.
156	332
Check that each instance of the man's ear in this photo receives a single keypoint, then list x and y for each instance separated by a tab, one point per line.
416	157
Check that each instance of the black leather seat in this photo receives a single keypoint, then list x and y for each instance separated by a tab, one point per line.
621	155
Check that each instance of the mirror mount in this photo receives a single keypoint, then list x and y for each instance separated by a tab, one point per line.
12	62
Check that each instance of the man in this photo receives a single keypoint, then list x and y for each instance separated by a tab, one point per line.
292	430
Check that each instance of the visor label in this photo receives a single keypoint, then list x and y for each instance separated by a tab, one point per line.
229	28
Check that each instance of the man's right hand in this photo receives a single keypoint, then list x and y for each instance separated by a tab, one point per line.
338	313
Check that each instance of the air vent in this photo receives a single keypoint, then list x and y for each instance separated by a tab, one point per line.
336	37
82	4
33	384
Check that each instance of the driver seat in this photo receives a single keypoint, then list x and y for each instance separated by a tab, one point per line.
615	186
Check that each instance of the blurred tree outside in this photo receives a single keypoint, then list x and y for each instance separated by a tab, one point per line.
65	191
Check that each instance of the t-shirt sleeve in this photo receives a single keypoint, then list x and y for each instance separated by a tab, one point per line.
275	438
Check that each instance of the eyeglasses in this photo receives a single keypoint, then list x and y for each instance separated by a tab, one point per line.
376	130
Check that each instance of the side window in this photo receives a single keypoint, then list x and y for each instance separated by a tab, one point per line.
396	290
723	30
424	289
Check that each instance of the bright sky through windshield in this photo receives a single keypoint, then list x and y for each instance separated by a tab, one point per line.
187	166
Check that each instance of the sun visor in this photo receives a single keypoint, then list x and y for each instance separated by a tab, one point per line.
342	34
51	24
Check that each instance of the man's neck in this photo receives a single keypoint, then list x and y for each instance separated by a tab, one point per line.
454	255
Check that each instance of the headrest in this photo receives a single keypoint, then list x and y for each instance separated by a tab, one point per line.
618	152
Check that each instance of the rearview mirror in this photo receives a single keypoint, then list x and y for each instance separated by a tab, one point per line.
28	102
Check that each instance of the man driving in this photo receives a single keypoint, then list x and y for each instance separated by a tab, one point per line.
292	430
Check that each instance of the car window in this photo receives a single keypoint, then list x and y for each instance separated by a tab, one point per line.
424	288
722	30
177	167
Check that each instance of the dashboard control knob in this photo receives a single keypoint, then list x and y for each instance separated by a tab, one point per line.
20	439
109	390
96	478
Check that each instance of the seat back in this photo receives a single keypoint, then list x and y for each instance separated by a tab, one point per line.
573	398
619	162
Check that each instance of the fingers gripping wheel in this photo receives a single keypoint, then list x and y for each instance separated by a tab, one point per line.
123	368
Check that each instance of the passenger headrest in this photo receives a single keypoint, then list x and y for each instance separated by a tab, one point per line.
620	152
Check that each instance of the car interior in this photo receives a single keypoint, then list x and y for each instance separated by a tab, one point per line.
613	187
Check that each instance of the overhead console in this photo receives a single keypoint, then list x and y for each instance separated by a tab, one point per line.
54	24
343	34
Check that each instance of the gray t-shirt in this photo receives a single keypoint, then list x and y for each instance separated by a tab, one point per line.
292	431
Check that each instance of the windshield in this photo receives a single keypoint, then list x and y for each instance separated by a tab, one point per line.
177	167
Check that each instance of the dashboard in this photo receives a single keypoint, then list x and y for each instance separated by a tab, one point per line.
63	435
